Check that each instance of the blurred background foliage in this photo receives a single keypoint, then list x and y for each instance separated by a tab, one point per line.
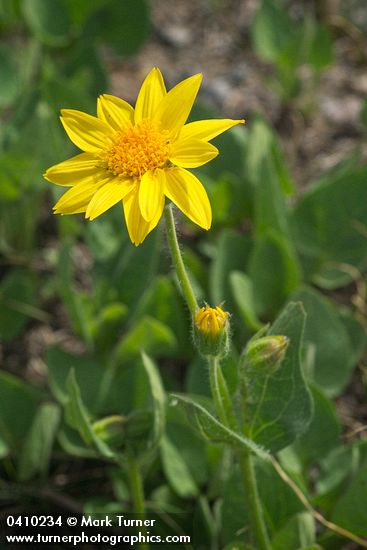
78	302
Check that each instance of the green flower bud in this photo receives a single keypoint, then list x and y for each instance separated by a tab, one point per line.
211	330
267	352
111	429
117	431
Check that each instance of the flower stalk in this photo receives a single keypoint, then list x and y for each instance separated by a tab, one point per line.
224	408
221	396
178	264
253	500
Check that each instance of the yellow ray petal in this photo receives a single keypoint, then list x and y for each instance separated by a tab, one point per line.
150	194
175	107
191	153
151	93
72	171
89	133
187	192
76	199
207	129
115	111
107	196
137	226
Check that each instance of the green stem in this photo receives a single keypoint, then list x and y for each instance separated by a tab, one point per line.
221	395
224	408
253	500
137	492
178	262
246	423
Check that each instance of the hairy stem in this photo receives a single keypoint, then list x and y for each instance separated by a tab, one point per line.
224	408
178	261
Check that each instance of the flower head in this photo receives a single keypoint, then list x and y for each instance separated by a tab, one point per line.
211	320
139	156
211	327
267	352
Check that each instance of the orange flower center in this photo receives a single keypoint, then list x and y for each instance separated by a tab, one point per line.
138	149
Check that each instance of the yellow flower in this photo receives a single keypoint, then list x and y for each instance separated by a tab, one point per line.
139	156
211	328
211	320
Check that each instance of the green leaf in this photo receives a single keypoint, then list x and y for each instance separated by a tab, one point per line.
220	195
88	374
78	306
274	271
103	506
18	405
323	433
330	238
124	25
138	266
263	161
273	246
281	404
231	254
162	302
4	449
230	162
36	452
337	469
278	501
193	448
239	546
159	401
234	510
321	51
9	79
48	21
102	239
107	326
149	335
9	15
298	532
243	293
84	62
311	547
128	389
17	294
176	470
357	334
80	10
71	442
272	30
197	381
12	168
264	157
349	511
20	218
331	369
214	431
205	525
78	418
286	182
